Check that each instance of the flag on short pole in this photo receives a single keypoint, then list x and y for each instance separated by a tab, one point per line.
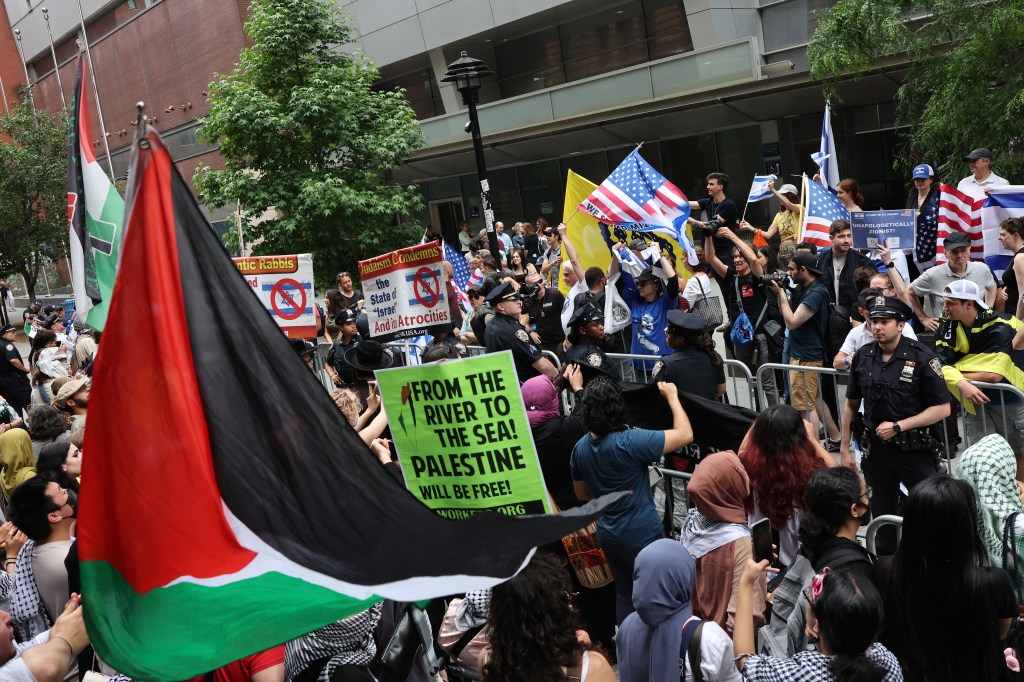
460	275
638	196
190	527
821	210
759	189
95	216
959	212
826	158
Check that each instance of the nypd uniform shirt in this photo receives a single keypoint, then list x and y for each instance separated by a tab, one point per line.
11	353
691	370
505	333
912	380
587	354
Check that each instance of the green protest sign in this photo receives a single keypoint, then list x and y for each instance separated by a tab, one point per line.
462	436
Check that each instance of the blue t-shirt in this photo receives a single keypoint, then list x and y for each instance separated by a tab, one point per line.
649	320
806	342
617	462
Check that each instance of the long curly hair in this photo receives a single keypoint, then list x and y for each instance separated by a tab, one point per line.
532	626
779	458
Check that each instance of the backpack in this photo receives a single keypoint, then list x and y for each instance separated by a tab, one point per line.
689	648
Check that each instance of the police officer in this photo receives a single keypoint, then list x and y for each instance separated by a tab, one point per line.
506	333
900	383
348	336
693	365
586	333
14	384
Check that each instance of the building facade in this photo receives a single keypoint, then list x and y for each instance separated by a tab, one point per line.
706	85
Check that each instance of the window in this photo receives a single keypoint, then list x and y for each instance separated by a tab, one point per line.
420	90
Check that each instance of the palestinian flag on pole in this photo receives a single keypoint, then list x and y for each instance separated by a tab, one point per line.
95	215
231	507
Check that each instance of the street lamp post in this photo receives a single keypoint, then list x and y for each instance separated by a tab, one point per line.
466	73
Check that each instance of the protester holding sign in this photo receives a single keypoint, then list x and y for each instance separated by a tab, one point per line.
612	458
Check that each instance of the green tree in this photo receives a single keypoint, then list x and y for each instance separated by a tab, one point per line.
306	137
33	191
965	84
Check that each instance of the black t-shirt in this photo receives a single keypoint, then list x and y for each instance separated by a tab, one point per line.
546	314
1010	282
753	295
726	210
555	440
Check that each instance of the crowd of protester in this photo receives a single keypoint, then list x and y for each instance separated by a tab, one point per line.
691	599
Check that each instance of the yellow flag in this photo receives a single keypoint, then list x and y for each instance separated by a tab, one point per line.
585	234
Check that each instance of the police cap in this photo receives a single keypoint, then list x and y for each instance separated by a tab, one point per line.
346	315
884	307
685	323
585	313
502	292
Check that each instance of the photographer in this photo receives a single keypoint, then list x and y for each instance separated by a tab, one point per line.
744	286
721	212
544	306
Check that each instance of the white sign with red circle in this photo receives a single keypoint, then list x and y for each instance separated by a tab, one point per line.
284	285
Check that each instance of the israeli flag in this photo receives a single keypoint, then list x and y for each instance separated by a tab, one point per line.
759	189
826	158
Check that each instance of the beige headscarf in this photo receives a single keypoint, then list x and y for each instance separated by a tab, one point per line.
16	459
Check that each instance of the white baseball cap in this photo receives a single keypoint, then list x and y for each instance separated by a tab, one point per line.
965	290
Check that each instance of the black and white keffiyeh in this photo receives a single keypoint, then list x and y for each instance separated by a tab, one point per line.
348	641
26	605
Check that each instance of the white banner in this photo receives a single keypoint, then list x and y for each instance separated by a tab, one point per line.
404	292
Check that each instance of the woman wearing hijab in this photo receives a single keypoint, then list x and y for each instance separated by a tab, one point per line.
17	461
717	536
49	367
555	435
989	466
650	639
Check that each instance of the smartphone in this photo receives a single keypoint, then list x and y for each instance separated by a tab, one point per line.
761	534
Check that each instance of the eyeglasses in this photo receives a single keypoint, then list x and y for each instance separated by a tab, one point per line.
869	491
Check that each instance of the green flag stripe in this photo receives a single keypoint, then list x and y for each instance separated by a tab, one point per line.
108	230
279	608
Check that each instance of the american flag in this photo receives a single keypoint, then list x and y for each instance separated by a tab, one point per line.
959	212
822	210
460	273
637	195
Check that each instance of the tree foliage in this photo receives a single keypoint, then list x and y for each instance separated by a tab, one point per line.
965	87
33	191
304	135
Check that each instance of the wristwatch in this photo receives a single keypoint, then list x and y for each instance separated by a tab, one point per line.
896	428
890	265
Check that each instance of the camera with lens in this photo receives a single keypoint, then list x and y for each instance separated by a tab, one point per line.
780	278
528	290
711	226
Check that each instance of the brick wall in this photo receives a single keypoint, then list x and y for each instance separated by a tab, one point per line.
10	61
166	56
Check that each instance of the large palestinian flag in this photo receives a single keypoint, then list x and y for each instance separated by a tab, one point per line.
95	214
227	506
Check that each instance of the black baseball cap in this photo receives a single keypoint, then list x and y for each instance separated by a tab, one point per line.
802	259
647	276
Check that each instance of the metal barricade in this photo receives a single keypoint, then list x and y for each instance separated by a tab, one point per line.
991	417
734	371
766	400
631	367
872	530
